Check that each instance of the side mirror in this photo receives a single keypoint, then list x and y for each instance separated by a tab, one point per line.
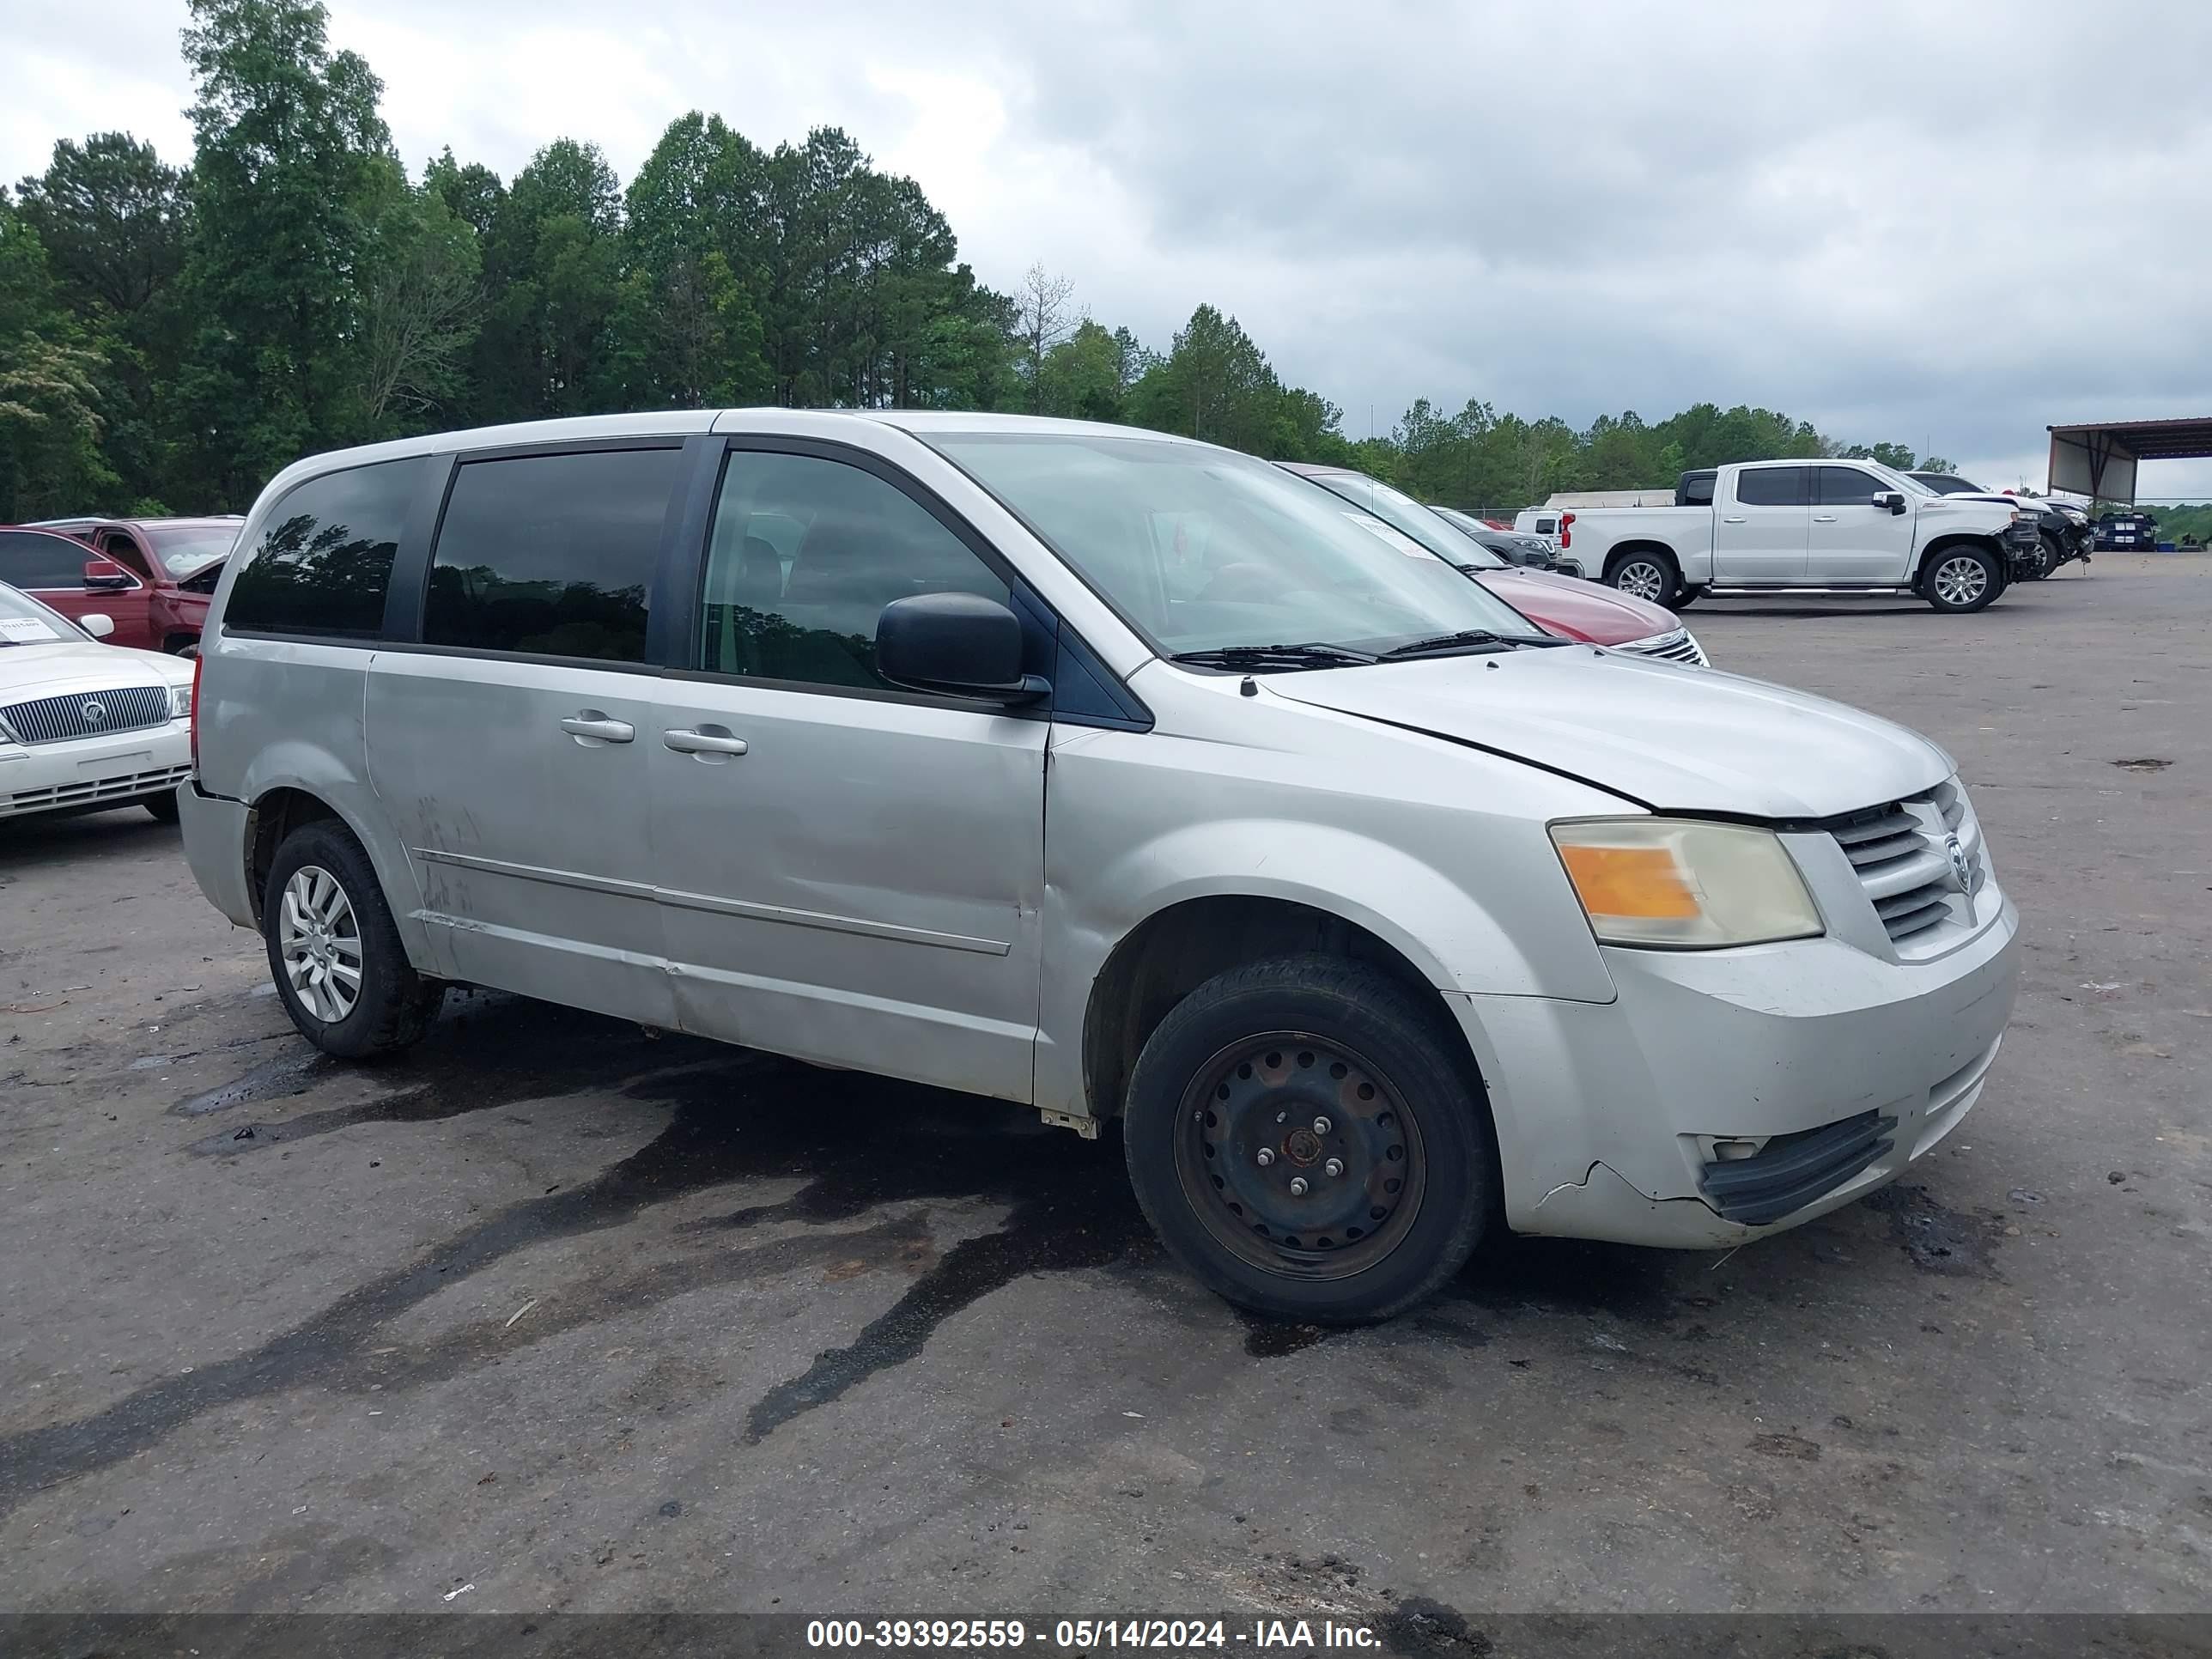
957	644
1892	499
105	574
98	623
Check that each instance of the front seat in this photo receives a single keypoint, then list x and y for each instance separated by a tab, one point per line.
837	590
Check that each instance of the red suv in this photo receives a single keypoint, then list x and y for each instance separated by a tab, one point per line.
155	576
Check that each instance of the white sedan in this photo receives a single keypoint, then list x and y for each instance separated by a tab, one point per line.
85	725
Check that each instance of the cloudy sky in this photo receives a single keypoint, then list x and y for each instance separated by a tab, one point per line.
1945	224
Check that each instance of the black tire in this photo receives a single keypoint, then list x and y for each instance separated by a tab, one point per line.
162	806
1396	1120
2050	553
1937	579
1646	574
393	1005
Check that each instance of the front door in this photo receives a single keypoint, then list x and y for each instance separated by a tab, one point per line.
848	872
1758	539
52	569
1854	542
513	746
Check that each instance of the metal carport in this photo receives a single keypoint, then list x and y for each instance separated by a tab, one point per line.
2099	460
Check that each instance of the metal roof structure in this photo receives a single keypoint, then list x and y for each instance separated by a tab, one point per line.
2099	458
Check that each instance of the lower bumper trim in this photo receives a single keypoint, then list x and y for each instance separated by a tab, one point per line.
1793	1169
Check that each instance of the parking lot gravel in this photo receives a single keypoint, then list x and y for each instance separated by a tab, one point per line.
587	1318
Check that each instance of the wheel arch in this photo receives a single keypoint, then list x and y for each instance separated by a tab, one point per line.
1185	943
277	810
1618	555
1953	539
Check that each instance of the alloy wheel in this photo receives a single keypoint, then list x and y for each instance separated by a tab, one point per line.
1641	579
1961	580
318	938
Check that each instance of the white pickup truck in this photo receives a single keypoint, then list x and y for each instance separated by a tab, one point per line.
1834	526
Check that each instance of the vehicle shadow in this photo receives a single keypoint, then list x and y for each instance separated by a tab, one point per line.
41	840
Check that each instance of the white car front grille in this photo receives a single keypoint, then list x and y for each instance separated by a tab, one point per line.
88	714
91	791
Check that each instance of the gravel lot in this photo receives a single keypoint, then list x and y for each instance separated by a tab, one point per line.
585	1319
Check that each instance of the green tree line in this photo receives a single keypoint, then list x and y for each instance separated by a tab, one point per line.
170	336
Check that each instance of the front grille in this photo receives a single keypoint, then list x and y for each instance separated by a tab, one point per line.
1791	1170
90	791
1677	646
88	714
1901	854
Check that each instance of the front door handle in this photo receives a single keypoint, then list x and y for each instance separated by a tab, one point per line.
685	742
1824	518
589	723
1737	519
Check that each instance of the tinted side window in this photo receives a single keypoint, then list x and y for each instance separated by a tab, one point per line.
1847	486
1696	489
28	559
551	555
324	556
804	607
1773	486
1547	526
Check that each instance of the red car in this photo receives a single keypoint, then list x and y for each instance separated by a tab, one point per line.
155	577
1565	605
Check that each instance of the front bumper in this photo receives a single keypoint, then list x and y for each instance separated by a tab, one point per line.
1608	1113
87	774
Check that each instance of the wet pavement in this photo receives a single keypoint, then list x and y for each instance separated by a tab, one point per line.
585	1318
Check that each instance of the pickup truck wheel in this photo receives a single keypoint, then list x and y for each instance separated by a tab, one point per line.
340	969
1962	578
1303	1140
1649	576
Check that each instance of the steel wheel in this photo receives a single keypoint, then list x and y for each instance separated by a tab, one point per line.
1641	579
318	938
1961	580
1298	1157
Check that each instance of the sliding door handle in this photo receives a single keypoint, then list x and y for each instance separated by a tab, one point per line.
591	724
685	742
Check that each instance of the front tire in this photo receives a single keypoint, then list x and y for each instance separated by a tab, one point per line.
1646	575
1304	1136
162	806
1962	578
334	952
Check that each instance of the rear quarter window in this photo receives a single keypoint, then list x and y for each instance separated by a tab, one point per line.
322	562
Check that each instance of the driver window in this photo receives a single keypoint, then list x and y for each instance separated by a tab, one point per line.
804	555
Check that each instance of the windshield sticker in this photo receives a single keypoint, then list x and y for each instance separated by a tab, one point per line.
1396	538
22	630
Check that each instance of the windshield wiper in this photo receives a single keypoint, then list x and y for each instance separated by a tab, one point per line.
1312	654
1468	639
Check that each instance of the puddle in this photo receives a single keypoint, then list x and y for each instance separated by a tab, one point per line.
1935	1239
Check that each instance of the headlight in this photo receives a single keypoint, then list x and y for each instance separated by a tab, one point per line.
180	702
1683	882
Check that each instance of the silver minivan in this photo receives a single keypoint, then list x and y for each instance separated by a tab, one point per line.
1110	773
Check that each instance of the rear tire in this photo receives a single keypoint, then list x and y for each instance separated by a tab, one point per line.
1651	576
334	952
1323	1072
1962	578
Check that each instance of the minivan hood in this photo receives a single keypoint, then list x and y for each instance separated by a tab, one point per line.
1673	738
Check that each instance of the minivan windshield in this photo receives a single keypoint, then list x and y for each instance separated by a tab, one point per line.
1202	549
